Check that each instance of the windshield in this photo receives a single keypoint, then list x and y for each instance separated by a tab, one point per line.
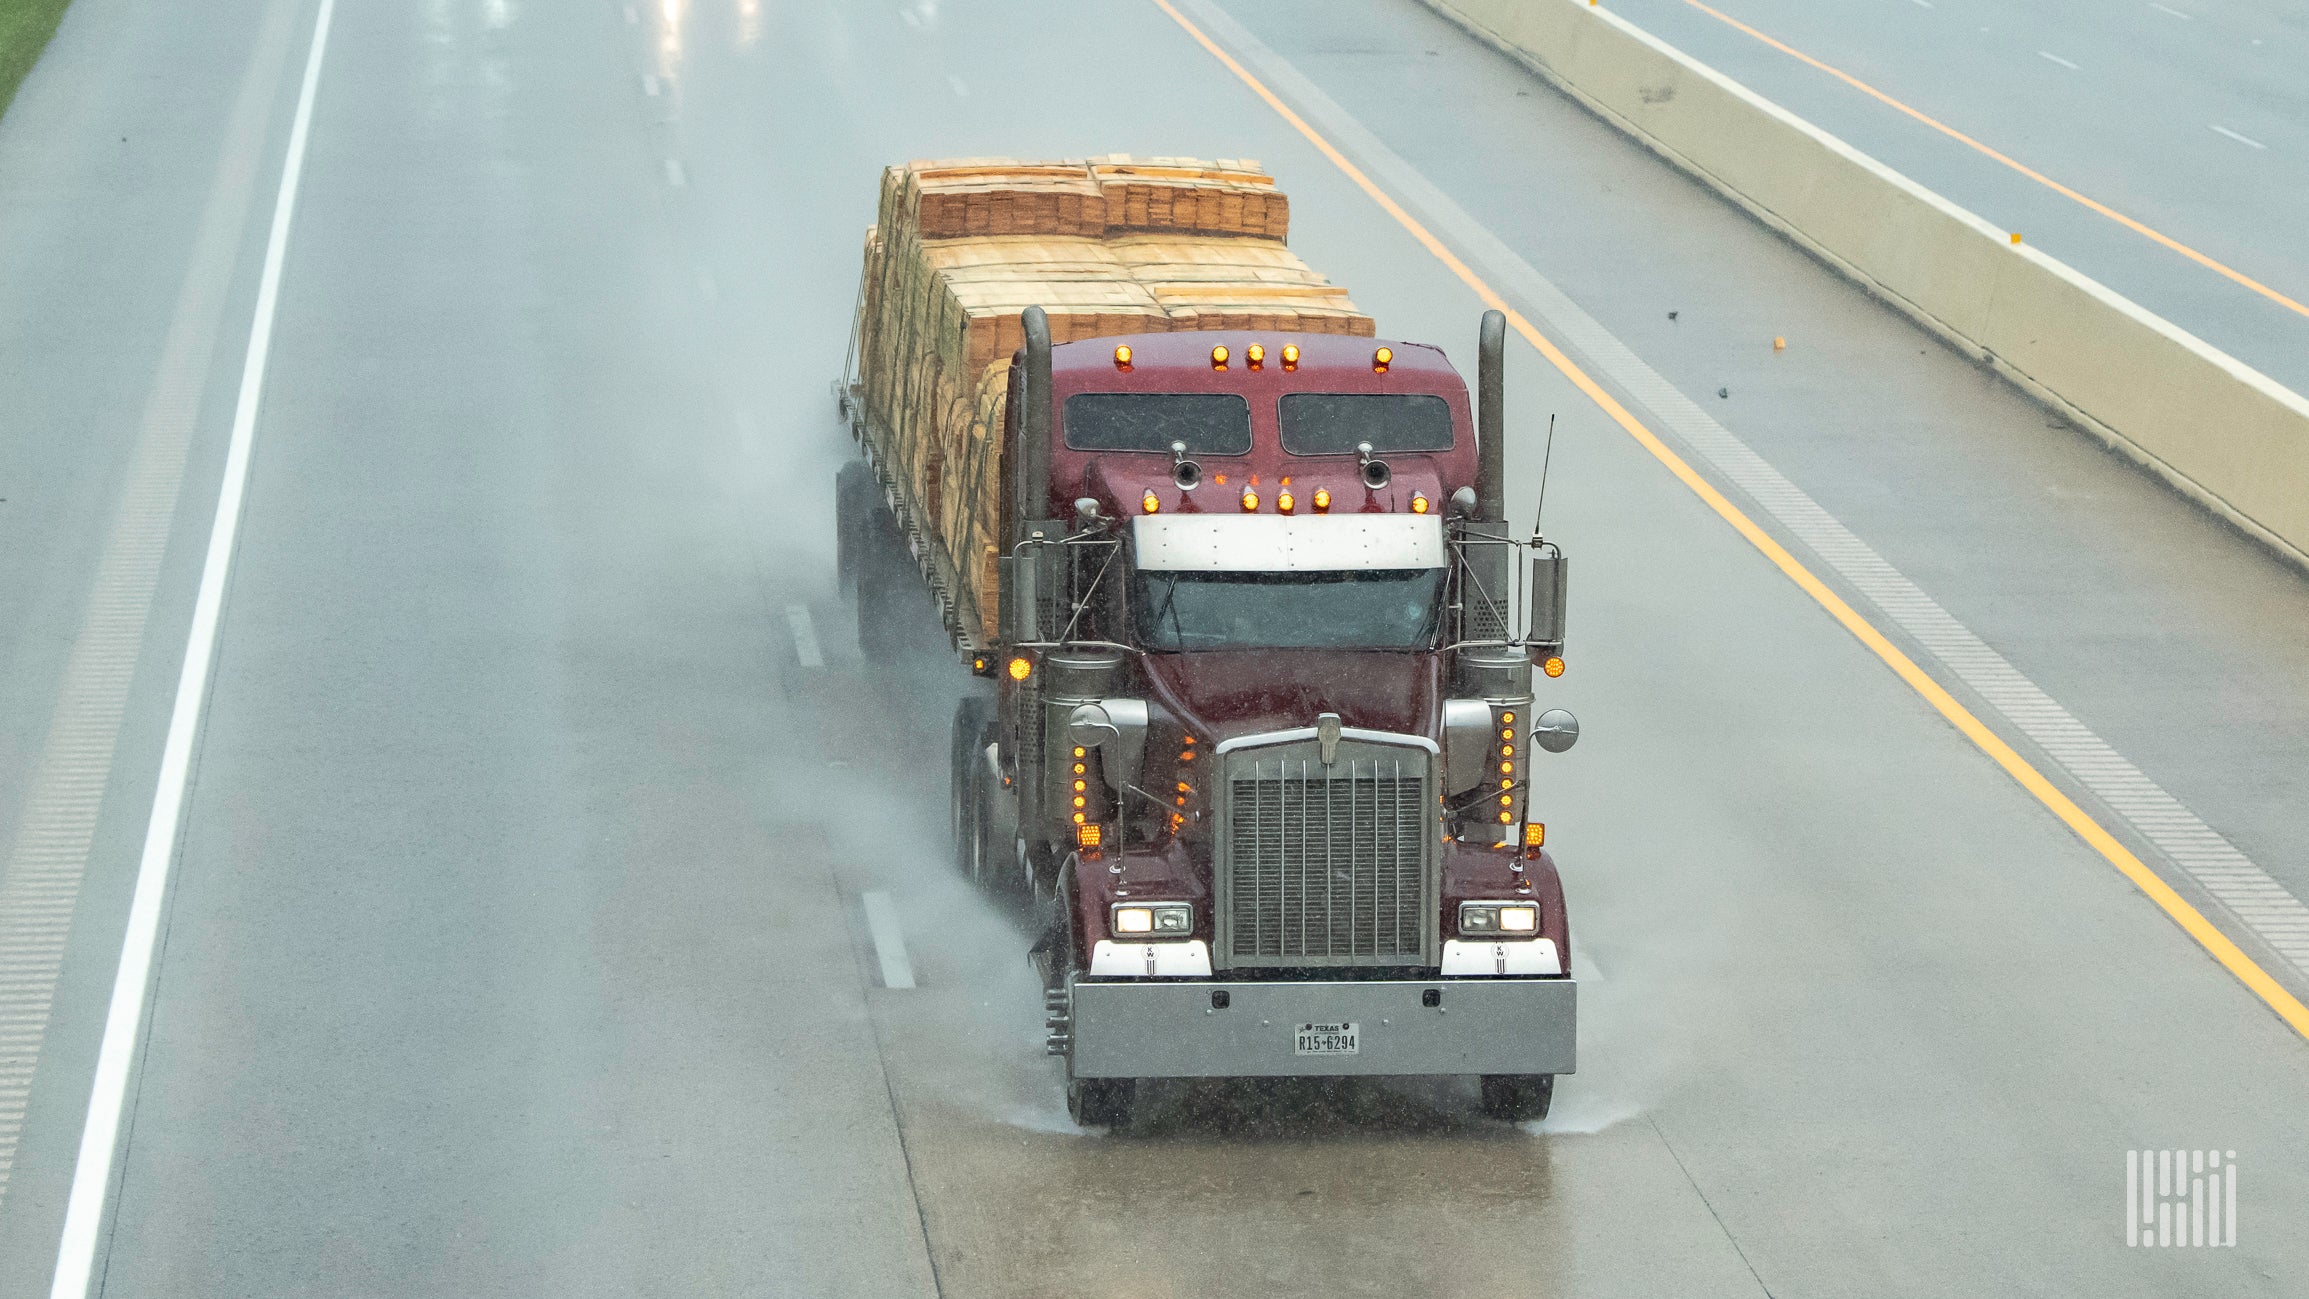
1359	609
1331	423
1210	423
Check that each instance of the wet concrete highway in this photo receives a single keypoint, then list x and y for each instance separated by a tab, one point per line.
517	946
2189	118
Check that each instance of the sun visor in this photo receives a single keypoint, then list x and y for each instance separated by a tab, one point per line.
1273	543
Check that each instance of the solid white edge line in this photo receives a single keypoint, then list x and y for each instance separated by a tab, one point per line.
889	940
99	1141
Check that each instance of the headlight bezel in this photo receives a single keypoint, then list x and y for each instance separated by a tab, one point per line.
1164	921
1489	918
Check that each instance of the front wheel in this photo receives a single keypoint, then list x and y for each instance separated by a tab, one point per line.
966	755
1518	1097
1100	1102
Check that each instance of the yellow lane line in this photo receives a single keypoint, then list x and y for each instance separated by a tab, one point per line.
2024	169
2091	831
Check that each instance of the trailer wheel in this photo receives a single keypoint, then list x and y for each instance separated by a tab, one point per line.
1517	1097
854	507
973	718
885	579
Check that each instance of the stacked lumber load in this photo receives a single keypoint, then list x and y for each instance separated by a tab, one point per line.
1106	246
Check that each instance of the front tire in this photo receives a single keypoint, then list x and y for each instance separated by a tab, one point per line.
1100	1102
1517	1098
973	720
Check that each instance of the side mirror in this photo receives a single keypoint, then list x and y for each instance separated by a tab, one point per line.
1032	582
1548	576
1555	731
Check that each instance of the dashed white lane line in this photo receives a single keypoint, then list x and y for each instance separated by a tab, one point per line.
805	636
632	16
124	1019
2241	139
1923	4
2168	12
675	174
2047	54
650	85
889	940
2260	904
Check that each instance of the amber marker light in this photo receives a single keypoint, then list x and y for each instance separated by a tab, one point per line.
1290	356
1149	503
1256	355
1250	501
1122	356
1322	500
1418	503
1285	502
1553	667
1219	357
1021	668
1534	834
1381	359
1089	835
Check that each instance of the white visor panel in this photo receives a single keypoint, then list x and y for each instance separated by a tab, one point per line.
1275	543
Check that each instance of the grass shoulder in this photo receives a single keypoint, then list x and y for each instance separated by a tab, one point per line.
25	26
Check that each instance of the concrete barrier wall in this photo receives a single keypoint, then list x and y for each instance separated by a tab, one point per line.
2223	433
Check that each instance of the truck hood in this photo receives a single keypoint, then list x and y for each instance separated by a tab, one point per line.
1220	695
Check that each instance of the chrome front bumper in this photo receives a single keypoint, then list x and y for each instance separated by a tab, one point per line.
1133	1029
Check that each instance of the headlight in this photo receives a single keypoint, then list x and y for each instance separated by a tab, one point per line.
1152	919
1498	919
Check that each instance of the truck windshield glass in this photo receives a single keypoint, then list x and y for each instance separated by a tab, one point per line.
1359	609
1334	423
1210	423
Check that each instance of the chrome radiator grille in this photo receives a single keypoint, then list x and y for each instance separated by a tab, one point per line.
1327	865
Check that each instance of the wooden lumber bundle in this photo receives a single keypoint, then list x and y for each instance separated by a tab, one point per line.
1108	246
1231	196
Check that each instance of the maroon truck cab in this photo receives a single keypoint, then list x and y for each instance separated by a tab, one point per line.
1262	723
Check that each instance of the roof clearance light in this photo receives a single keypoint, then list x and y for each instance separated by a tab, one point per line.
1290	356
1149	503
1418	503
1322	500
1285	502
1122	356
1250	502
1021	668
1219	357
1553	667
1381	359
1256	355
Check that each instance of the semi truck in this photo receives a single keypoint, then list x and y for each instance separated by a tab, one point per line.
1256	658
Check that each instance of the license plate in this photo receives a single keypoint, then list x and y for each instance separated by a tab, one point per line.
1326	1039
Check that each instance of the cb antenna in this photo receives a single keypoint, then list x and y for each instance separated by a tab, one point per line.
1547	457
